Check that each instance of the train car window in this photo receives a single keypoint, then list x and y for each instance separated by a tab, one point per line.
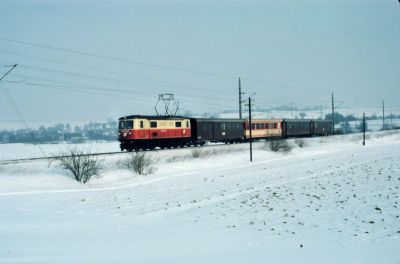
178	124
153	124
223	126
187	123
141	124
121	124
253	126
258	126
275	125
129	124
262	126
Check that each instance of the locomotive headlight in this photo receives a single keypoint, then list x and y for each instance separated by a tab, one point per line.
129	133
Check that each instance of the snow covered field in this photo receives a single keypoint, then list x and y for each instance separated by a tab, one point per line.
333	201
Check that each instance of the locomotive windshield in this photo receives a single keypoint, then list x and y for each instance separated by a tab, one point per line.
128	124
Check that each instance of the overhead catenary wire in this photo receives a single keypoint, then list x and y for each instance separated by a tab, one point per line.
230	76
153	65
83	53
130	76
136	91
90	91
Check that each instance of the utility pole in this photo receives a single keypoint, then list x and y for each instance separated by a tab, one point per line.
291	108
383	114
240	100
333	116
250	101
251	139
391	120
364	128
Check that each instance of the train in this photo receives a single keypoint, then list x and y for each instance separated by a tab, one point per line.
140	132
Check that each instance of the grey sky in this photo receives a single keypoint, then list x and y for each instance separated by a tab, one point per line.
298	51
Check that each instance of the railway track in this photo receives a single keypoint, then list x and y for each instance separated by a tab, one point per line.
11	161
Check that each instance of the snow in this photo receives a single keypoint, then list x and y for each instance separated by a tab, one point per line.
332	201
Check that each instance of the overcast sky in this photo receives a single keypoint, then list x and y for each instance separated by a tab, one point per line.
286	52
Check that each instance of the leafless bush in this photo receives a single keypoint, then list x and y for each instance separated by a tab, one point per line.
198	152
279	146
300	142
81	164
140	163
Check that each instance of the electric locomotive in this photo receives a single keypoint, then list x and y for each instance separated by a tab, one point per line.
147	132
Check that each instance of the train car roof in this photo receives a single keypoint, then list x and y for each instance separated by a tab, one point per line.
219	119
306	120
264	119
322	120
297	120
153	117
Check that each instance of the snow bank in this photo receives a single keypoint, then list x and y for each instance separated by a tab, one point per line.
332	201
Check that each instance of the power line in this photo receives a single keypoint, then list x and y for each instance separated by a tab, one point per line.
156	65
141	91
105	71
139	63
88	90
165	67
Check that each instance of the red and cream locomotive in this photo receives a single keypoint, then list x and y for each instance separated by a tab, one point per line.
141	132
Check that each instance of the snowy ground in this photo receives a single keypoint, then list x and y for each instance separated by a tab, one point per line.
333	201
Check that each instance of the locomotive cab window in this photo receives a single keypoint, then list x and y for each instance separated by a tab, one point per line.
129	124
187	124
141	124
275	125
153	124
178	124
121	124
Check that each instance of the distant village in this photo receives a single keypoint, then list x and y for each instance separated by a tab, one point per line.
106	131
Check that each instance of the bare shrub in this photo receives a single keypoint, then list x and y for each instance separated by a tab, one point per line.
81	164
300	142
140	163
198	152
279	145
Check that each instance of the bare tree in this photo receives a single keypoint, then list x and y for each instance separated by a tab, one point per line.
300	142
198	152
279	145
140	163
81	164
